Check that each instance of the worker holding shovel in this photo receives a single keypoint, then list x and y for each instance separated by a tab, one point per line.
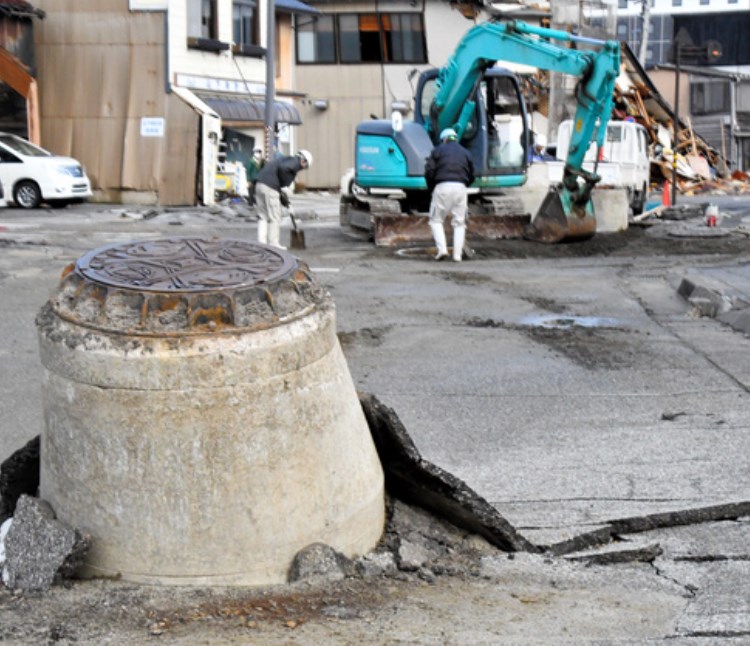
275	176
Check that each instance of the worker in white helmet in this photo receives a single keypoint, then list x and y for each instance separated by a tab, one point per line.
448	171
270	193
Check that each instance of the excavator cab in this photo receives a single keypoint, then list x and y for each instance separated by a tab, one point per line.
496	133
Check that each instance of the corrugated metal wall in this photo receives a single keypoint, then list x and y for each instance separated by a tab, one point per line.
101	70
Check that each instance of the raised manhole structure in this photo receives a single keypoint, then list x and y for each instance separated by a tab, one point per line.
201	423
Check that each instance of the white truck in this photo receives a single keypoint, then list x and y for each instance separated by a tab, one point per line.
623	163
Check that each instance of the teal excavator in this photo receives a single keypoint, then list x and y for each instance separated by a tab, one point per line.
480	101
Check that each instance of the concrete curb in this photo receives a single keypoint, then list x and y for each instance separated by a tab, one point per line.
710	298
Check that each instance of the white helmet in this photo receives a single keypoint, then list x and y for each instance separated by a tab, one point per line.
306	155
448	134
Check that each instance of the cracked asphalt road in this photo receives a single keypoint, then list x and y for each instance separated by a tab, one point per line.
570	386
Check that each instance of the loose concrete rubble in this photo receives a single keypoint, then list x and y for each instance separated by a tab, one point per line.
319	562
38	548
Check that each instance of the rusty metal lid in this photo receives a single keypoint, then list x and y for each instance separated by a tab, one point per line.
183	285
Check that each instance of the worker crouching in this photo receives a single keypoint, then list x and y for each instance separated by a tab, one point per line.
448	172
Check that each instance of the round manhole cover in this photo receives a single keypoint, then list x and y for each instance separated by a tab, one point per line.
698	231
185	265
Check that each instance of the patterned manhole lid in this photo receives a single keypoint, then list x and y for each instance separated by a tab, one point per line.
185	264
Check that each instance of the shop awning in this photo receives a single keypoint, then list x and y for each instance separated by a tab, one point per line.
295	6
245	109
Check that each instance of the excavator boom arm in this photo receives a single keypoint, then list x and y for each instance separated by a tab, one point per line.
519	42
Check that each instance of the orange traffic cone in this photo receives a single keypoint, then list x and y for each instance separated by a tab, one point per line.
666	194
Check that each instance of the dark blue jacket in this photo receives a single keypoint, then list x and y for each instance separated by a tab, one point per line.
280	172
448	162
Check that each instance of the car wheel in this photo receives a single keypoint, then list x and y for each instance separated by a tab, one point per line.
27	195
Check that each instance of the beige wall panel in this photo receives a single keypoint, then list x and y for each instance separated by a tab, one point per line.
664	80
89	28
112	98
57	135
68	6
101	71
284	47
141	161
100	140
146	28
97	143
179	168
146	82
343	81
96	28
83	98
353	93
77	82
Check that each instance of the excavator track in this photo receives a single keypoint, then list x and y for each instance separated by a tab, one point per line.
382	220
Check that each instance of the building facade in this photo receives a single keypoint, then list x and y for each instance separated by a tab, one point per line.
151	94
714	93
359	60
723	20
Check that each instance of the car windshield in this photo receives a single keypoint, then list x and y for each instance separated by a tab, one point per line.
23	147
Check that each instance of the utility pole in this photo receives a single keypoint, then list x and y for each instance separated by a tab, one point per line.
645	24
270	78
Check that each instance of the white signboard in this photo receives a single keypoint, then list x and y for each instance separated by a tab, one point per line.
148	5
152	126
213	84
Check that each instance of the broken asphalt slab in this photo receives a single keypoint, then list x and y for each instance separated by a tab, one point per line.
411	478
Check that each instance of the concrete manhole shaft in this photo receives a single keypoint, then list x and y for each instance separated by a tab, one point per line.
204	433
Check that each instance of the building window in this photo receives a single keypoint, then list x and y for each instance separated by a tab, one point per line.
711	97
676	3
704	2
359	38
362	38
403	38
202	19
315	41
202	27
622	4
245	28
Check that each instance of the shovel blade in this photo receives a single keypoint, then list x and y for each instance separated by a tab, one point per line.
297	240
559	219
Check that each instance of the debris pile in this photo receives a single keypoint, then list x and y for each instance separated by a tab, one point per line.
700	168
697	167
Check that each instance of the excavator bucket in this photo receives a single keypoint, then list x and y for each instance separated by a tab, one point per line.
560	219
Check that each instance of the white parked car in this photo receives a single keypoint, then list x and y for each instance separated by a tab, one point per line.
31	175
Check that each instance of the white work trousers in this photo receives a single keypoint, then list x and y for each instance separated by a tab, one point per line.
449	198
268	203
